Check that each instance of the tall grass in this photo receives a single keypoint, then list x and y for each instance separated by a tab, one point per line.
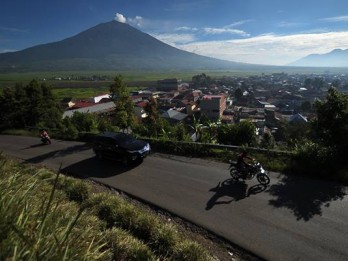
163	238
45	216
38	223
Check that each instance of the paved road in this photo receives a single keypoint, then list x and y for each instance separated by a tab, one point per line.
291	219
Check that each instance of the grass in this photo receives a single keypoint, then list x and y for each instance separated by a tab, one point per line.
37	223
46	216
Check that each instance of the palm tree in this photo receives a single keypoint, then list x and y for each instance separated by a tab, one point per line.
212	127
197	128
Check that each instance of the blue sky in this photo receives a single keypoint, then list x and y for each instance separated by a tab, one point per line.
253	31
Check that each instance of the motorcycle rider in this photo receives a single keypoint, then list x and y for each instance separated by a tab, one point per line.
44	136
243	164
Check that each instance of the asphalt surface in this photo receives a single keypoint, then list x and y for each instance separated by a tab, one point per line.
291	219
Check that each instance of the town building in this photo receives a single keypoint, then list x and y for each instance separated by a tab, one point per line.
168	84
213	106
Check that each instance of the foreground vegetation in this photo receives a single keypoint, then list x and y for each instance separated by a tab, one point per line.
45	216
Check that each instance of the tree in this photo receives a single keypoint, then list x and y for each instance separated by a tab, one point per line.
306	106
201	80
152	121
32	105
11	111
318	83
331	125
124	113
240	134
197	128
180	133
308	83
238	94
68	130
267	141
84	122
210	130
336	83
246	133
325	153
50	113
292	134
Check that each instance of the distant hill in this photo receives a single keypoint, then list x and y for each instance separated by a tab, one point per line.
336	58
108	46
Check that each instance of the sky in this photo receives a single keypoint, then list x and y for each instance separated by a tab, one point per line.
274	32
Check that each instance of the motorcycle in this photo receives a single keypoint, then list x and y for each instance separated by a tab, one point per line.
45	139
253	170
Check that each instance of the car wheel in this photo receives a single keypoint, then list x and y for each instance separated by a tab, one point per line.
125	161
99	155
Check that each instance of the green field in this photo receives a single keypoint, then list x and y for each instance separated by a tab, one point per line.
9	79
85	87
83	92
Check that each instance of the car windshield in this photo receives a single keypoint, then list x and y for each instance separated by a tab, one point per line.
122	137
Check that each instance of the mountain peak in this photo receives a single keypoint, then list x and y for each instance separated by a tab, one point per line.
108	46
338	50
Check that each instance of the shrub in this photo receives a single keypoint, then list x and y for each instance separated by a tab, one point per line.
67	131
126	247
190	251
107	211
164	239
144	224
76	190
313	159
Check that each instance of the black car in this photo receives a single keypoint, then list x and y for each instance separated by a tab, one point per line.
120	146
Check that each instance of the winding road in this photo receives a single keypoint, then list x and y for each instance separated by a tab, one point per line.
292	219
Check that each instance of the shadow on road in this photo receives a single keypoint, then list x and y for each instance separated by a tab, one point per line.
305	197
236	190
93	167
35	146
57	153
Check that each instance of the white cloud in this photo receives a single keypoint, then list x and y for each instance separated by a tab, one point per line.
270	48
289	24
239	23
137	21
228	29
336	19
186	28
175	39
120	18
9	29
210	30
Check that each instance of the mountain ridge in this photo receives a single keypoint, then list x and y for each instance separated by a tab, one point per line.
335	58
108	46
